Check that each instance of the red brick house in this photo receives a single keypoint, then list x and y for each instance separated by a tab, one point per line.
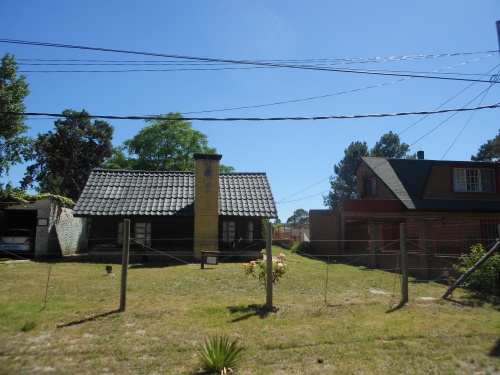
447	206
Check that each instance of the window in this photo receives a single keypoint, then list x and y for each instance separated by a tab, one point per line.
473	180
142	233
250	231
371	186
228	231
120	233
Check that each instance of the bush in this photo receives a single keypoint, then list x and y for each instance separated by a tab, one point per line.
219	354
259	268
486	279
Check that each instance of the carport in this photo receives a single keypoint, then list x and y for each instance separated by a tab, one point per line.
58	232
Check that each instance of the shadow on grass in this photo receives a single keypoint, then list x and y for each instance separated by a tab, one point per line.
249	311
81	321
495	351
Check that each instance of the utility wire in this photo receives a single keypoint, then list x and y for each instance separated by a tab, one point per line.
242	62
467	122
231	119
334	94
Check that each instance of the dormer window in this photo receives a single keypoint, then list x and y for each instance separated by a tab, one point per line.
473	180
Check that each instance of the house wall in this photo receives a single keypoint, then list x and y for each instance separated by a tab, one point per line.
440	181
364	173
241	241
325	231
172	233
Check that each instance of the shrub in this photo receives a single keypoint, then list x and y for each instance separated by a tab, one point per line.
486	279
220	354
259	268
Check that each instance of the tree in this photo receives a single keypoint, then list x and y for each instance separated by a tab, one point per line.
490	151
13	90
343	183
300	217
166	144
390	146
64	158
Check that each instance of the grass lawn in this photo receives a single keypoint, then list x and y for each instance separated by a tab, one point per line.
61	318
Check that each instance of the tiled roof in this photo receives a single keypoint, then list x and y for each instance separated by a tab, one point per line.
128	193
406	178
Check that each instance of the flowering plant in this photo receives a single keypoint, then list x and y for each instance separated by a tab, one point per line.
258	268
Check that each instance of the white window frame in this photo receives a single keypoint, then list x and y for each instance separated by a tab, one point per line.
250	231
474	180
228	231
142	233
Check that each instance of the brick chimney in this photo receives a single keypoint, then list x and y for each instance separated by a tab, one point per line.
206	203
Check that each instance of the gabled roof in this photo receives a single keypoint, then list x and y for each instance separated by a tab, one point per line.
407	178
128	193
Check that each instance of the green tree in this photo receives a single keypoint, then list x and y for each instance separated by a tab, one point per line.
490	151
390	146
166	144
64	158
13	90
299	216
343	183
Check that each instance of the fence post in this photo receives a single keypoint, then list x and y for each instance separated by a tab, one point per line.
404	263
125	256
269	267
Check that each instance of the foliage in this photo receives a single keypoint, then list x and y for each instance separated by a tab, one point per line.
13	90
486	279
302	247
390	146
343	183
299	216
13	195
220	354
258	268
167	143
490	151
64	158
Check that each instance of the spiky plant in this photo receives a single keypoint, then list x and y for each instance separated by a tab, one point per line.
220	354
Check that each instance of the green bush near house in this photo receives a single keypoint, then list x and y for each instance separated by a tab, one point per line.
486	279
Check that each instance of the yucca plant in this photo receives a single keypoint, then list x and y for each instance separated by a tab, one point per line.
219	354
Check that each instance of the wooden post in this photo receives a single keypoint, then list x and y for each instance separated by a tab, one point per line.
269	267
404	263
125	256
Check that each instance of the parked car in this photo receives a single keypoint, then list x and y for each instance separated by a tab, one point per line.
17	240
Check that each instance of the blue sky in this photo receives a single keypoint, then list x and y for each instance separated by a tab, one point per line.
298	156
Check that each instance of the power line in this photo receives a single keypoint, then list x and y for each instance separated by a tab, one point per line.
337	93
242	62
229	119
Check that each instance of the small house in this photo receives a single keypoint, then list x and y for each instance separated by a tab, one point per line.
180	213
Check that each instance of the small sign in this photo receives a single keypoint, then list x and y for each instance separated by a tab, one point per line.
211	260
43	222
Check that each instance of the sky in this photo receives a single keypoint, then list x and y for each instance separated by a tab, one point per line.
310	45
